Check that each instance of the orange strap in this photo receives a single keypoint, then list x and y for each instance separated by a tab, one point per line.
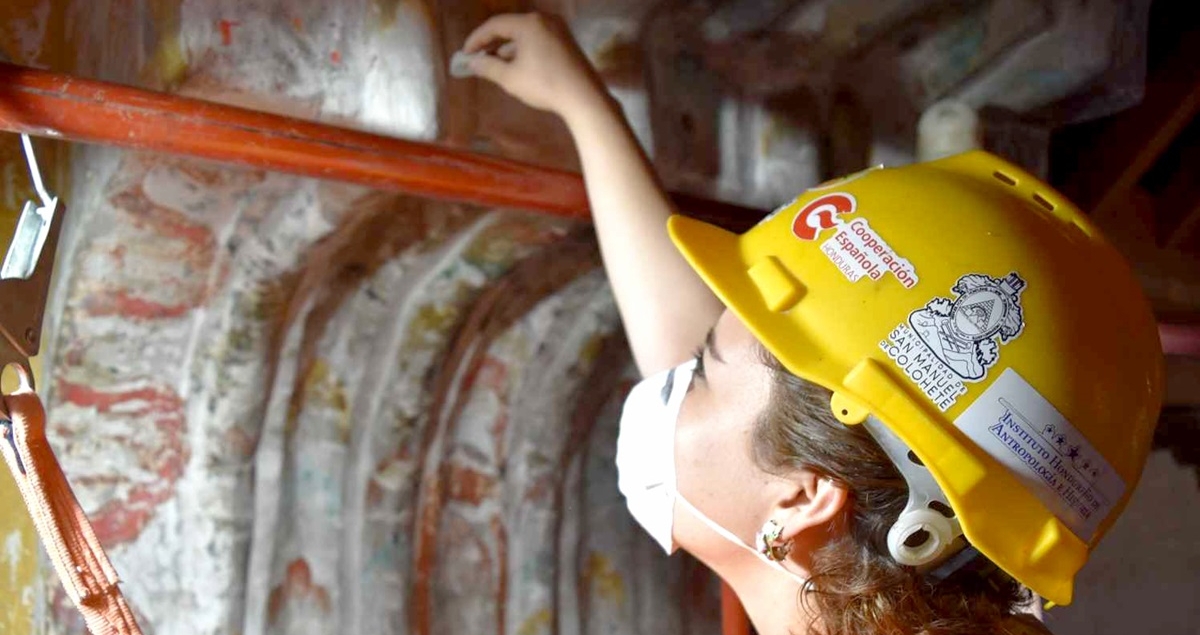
82	565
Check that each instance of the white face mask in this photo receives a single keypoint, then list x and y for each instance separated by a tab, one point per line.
646	459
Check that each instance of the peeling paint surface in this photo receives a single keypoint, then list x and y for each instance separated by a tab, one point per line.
293	406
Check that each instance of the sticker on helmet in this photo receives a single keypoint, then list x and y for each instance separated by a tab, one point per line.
953	340
1015	424
822	214
856	249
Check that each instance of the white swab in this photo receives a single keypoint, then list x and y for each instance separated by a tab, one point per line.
460	62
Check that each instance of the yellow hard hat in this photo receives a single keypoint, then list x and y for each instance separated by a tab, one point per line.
984	321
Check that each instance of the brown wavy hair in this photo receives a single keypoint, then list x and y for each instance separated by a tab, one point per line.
855	587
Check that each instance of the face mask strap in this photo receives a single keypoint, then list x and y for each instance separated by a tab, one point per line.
729	536
662	395
681	376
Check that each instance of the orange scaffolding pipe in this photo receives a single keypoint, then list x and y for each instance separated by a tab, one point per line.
60	106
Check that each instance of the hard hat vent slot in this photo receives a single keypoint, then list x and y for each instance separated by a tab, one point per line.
1043	202
913	457
1004	178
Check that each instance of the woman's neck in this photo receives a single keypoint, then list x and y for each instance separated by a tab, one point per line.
772	598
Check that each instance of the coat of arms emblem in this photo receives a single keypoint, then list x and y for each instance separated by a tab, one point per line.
966	332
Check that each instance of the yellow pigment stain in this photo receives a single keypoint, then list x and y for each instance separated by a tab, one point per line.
392	10
167	66
325	389
491	251
605	581
591	350
433	318
536	623
387	12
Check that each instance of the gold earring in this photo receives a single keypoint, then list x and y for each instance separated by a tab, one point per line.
769	544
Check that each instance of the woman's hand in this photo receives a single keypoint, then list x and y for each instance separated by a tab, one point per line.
534	58
664	305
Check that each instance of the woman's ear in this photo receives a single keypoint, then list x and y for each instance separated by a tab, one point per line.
815	501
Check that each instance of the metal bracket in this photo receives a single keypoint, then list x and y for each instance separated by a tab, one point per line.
25	273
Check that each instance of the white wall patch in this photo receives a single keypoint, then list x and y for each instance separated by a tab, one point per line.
1013	423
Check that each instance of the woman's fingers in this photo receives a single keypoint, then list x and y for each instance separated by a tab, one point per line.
507	51
500	27
490	68
532	57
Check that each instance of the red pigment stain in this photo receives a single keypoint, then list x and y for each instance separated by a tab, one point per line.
336	56
374	495
541	489
74	354
173	239
491	374
163	221
498	431
424	558
121	521
501	536
297	585
468	485
156	401
298	24
238	442
124	304
226	27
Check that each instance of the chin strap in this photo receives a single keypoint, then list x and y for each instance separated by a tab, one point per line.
84	569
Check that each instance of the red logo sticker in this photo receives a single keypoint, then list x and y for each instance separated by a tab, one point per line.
822	214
